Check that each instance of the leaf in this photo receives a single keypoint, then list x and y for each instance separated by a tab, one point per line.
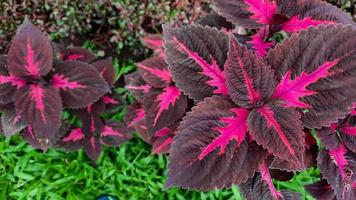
106	70
113	134
304	54
238	161
154	42
279	130
8	83
92	147
135	121
30	53
163	107
258	188
321	190
78	54
41	107
79	84
196	56
154	71
295	24
338	167
249	80
137	86
259	43
164	139
11	122
215	20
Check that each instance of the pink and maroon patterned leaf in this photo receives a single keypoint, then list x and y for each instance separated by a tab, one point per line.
137	86
247	13
79	84
154	71
260	187
338	167
92	147
211	148
315	78
106	70
164	107
8	83
322	10
249	80
279	130
329	137
113	134
154	42
79	54
41	107
259	43
321	190
215	20
30	53
295	24
11	122
196	56
164	139
135	121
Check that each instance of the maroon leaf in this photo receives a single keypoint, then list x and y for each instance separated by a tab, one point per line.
249	79
338	167
30	53
78	83
154	42
164	107
79	54
279	130
92	147
163	139
196	56
113	134
295	24
321	190
209	150
11	122
260	187
329	137
106	70
328	95
135	121
154	71
215	20
73	141
40	106
247	13
137	86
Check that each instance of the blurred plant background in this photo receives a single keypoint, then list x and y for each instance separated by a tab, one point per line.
109	28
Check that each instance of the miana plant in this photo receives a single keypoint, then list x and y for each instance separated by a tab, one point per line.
253	110
39	80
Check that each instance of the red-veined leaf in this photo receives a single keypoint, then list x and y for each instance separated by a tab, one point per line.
163	139
207	153
154	71
196	56
259	43
163	107
154	42
279	130
79	83
92	147
79	54
30	53
295	24
106	70
137	86
41	107
310	52
113	134
135	121
248	78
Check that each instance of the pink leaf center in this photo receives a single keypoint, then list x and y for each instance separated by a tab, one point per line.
235	129
168	97
266	176
163	74
258	42
109	100
253	95
338	155
140	115
74	135
262	10
217	78
74	56
32	66
350	130
109	131
163	145
14	81
37	94
162	132
291	90
61	82
295	24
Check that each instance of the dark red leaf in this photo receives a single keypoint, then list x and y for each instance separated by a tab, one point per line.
279	130
30	53
106	70
249	79
11	122
196	56
207	153
92	147
137	86
330	97
79	83
79	54
154	42
321	190
41	107
329	137
135	121
113	134
163	107
163	139
73	141
154	71
215	20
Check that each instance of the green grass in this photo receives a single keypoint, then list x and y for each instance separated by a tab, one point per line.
128	172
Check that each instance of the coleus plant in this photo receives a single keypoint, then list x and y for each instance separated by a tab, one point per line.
36	86
254	108
95	130
268	17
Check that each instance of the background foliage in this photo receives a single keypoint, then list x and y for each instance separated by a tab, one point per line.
128	172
